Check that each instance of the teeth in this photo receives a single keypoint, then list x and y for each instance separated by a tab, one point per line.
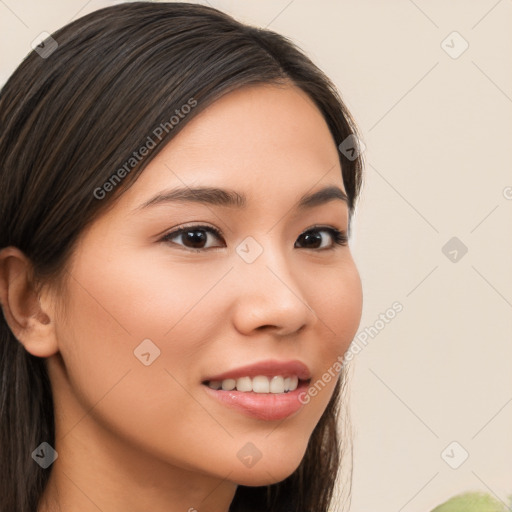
244	384
259	384
277	385
228	384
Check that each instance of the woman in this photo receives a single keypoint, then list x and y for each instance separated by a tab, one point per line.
175	276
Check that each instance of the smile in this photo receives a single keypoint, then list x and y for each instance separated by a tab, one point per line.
267	390
259	384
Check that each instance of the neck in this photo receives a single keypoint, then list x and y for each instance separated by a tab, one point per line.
91	478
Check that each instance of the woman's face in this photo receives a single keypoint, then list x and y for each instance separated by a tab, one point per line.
156	319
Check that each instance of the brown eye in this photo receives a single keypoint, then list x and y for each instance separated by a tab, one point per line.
192	237
312	239
195	238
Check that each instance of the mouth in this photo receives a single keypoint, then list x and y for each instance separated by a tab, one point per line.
276	384
267	391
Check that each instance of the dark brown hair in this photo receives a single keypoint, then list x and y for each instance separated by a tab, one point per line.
74	116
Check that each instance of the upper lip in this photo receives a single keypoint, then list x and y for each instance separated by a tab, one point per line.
267	368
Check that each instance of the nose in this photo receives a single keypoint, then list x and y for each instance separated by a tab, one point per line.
269	297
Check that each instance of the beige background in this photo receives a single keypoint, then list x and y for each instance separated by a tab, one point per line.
438	132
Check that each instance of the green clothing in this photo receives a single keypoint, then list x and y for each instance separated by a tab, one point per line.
474	502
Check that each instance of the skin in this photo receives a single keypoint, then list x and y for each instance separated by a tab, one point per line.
132	437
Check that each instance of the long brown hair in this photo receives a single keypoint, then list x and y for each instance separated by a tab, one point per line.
74	112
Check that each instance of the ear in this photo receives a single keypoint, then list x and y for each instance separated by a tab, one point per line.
26	316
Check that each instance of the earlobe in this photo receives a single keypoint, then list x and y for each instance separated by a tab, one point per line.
22	307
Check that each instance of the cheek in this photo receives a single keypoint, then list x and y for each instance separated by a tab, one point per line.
108	315
338	306
116	307
140	295
112	309
339	309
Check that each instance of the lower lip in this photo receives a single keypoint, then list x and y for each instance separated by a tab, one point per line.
262	406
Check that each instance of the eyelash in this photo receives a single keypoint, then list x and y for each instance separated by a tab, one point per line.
339	238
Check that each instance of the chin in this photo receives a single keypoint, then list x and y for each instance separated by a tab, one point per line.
261	478
267	473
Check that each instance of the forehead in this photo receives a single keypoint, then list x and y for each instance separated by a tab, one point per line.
256	121
263	140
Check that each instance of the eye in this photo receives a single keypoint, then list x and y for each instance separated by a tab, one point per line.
312	237
195	238
192	237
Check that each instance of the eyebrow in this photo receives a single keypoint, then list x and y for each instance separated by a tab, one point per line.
231	198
